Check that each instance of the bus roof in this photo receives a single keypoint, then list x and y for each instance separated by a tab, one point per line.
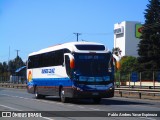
75	47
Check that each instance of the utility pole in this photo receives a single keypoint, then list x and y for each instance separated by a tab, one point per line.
17	62
8	63
17	52
77	34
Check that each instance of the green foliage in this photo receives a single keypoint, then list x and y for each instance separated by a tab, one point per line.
128	64
149	46
116	51
6	69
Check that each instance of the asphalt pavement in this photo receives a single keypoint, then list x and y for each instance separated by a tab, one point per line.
22	105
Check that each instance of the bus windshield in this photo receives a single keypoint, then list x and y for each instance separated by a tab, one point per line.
87	64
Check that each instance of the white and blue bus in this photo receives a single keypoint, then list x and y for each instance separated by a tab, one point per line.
71	70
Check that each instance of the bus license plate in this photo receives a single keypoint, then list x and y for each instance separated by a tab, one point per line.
95	93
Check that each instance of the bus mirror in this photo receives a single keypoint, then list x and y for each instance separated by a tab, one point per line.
72	63
63	64
118	65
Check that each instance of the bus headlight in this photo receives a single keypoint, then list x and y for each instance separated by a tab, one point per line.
106	78
82	78
79	89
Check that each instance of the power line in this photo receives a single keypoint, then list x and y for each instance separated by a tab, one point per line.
99	34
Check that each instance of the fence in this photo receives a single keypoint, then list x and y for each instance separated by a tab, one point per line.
147	85
13	79
4	79
145	78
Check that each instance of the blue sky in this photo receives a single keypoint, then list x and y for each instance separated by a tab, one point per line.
30	25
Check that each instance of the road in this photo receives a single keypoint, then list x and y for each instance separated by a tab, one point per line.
19	100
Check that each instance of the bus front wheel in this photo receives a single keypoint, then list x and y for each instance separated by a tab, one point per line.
96	100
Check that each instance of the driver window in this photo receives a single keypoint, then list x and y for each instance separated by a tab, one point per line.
67	65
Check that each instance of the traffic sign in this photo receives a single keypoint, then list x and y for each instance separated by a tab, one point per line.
134	76
158	77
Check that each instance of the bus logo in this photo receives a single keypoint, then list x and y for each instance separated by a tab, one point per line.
29	76
48	71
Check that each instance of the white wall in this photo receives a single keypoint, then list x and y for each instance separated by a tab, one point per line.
131	40
126	41
119	39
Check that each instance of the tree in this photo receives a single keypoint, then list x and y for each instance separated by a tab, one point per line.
128	64
4	69
117	56
116	51
1	68
15	64
149	46
11	67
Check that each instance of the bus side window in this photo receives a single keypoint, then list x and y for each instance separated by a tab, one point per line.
67	64
29	64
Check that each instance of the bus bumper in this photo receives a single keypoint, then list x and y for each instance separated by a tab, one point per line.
93	94
30	89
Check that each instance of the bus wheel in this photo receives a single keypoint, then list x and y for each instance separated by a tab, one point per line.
62	96
37	95
96	100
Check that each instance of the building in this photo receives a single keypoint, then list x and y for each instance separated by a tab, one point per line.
126	37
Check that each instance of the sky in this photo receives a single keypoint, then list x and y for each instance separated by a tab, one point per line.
31	25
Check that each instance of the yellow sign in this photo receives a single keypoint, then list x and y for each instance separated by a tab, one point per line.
138	32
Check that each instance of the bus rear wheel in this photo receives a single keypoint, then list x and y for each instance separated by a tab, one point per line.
62	96
37	95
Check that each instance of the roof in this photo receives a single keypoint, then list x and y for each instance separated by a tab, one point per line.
69	45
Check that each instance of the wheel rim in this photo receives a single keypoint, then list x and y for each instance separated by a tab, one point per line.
62	94
63	99
36	93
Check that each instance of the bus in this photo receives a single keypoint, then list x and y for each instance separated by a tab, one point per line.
71	70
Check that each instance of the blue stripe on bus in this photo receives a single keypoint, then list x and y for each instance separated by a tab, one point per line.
50	82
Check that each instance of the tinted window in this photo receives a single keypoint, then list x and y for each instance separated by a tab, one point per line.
53	58
67	63
90	47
